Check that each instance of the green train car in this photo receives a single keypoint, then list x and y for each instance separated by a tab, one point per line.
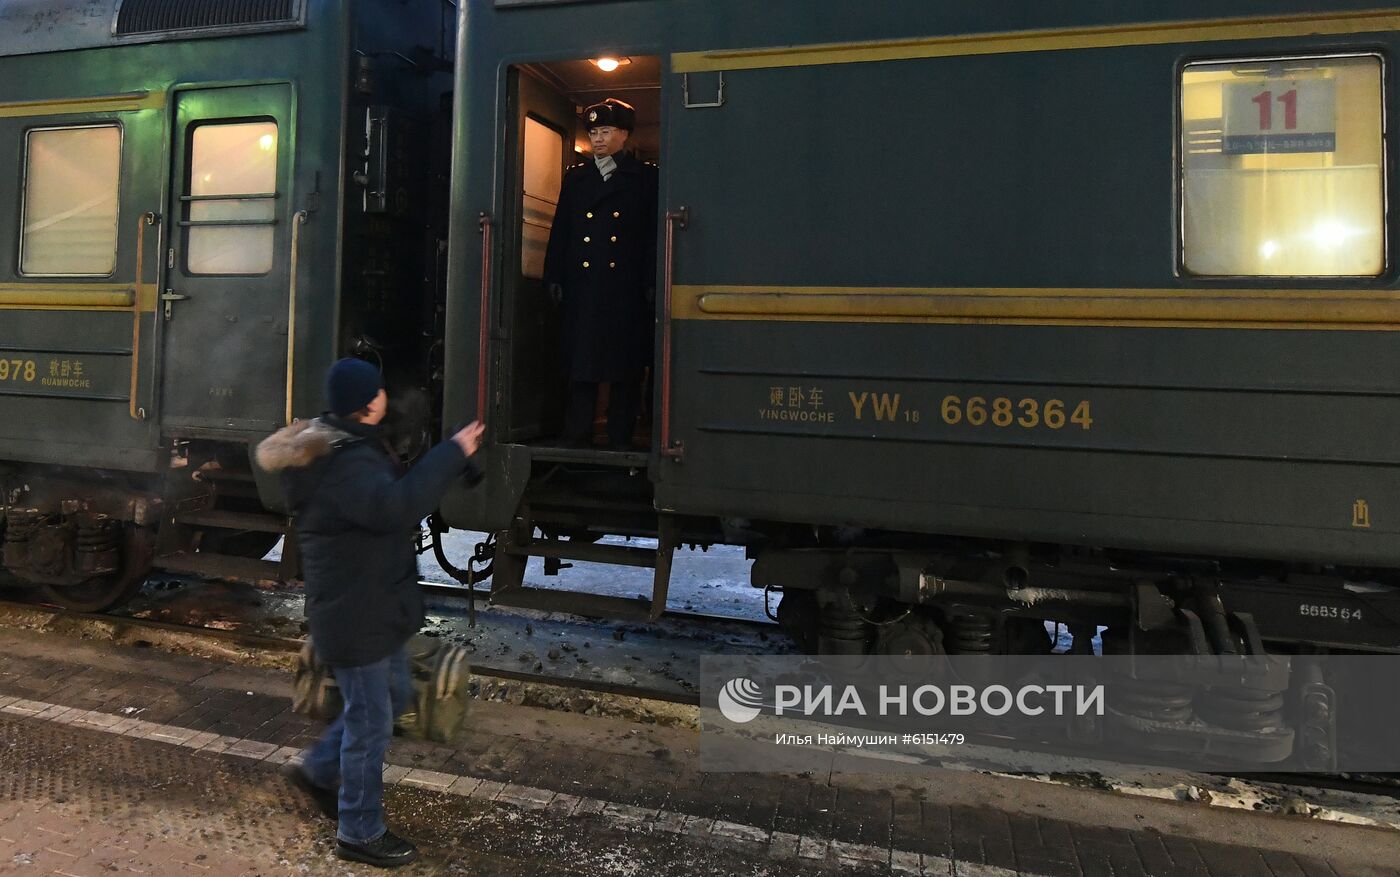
969	318
204	203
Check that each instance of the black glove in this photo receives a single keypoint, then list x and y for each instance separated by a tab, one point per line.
556	293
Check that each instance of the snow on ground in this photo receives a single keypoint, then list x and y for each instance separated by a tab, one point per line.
714	582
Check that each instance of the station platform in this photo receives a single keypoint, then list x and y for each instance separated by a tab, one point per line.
118	760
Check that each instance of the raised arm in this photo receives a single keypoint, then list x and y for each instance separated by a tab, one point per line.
371	497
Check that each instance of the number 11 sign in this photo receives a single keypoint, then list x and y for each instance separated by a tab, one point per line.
1280	115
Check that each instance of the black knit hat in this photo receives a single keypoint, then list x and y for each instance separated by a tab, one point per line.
611	112
351	384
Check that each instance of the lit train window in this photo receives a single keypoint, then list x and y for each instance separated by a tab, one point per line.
231	200
544	173
71	178
1282	168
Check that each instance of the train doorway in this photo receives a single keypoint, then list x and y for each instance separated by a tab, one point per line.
224	301
546	140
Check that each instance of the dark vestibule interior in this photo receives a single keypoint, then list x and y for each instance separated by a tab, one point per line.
547	138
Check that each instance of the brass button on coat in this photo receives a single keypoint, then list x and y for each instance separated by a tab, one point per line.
612	264
589	215
614	238
585	264
616	214
587	240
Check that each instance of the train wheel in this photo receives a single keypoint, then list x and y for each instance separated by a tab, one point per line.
911	636
909	648
799	617
108	592
1028	636
13	586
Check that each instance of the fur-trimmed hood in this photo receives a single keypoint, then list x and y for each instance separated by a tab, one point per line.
299	445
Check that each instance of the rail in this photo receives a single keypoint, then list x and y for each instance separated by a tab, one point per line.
674	218
484	335
145	220
297	222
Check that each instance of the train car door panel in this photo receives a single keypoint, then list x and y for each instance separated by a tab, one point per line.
75	329
540	141
225	298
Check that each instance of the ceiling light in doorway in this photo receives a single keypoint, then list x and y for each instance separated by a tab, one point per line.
609	64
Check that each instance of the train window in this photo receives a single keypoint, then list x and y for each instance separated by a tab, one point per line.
544	172
1282	167
231	204
69	225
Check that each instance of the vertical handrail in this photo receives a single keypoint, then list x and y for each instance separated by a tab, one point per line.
146	219
674	218
483	351
297	222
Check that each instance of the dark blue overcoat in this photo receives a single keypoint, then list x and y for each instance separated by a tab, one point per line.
602	251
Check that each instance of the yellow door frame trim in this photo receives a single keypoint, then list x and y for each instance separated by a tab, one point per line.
1048	40
1188	308
113	103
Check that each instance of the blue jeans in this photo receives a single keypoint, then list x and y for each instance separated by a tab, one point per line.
350	754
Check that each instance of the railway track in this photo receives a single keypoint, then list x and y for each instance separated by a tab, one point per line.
438	589
292	645
1385	785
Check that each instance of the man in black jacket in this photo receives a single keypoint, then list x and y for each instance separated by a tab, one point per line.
356	511
601	268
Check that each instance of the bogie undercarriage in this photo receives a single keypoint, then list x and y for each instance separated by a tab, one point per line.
981	599
87	539
1280	708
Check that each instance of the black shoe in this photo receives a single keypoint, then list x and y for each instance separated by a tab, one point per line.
326	800
387	851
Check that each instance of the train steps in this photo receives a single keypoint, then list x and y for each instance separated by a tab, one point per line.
222	566
512	554
230	533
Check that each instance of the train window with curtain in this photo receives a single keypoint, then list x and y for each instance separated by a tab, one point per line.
544	173
71	182
231	201
1282	168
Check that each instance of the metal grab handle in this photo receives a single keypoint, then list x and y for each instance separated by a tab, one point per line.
483	355
145	219
674	218
700	105
297	222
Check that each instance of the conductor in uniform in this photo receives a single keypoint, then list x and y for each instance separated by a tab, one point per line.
600	266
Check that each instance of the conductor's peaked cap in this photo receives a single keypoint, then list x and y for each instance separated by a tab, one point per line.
611	112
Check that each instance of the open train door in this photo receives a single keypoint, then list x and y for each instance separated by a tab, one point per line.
539	146
228	271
